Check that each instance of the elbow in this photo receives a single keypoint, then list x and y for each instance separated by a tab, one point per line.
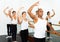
28	11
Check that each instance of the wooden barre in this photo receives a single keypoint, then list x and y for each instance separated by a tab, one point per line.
56	24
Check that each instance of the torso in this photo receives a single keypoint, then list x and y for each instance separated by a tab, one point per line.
24	24
40	28
14	19
49	18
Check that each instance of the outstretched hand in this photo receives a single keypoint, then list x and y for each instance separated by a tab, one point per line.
36	4
7	7
53	10
21	8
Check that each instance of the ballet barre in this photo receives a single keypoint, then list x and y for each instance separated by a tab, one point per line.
56	24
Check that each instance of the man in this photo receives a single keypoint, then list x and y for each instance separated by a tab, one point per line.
40	24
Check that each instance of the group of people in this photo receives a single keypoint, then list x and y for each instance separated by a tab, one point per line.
40	25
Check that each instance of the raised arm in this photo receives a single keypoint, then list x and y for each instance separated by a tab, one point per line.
5	11
53	13
30	10
19	9
19	19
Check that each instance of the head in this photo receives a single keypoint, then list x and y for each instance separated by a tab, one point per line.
40	12
59	22
48	13
23	14
14	12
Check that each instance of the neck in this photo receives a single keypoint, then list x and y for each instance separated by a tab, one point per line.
48	15
24	17
40	17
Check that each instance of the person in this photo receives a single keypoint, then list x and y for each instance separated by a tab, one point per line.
9	23
39	24
24	22
59	22
48	18
14	23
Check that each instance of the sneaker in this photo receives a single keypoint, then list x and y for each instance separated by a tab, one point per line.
14	41
48	37
9	37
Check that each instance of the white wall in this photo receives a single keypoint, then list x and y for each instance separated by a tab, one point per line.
15	4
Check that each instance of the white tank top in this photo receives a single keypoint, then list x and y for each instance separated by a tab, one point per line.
40	28
9	20
14	21
24	25
49	19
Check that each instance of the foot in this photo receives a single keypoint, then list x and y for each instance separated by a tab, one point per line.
48	37
9	37
14	41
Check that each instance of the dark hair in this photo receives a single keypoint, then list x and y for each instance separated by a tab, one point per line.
48	12
13	11
23	12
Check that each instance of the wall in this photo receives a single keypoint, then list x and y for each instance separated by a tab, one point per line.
47	5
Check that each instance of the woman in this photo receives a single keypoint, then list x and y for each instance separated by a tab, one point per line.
9	30
24	27
48	18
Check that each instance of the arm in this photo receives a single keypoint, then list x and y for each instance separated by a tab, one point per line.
5	11
53	13
46	18
51	28
30	10
19	10
31	25
53	31
19	19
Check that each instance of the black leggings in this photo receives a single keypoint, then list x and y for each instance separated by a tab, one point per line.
9	30
14	31
48	28
39	40
24	35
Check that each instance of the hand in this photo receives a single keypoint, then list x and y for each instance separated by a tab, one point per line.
21	8
6	7
10	9
54	32
36	4
52	10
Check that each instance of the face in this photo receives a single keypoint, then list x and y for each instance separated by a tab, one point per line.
24	15
49	13
14	13
40	12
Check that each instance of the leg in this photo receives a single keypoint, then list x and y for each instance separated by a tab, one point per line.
14	31
9	29
24	35
48	33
